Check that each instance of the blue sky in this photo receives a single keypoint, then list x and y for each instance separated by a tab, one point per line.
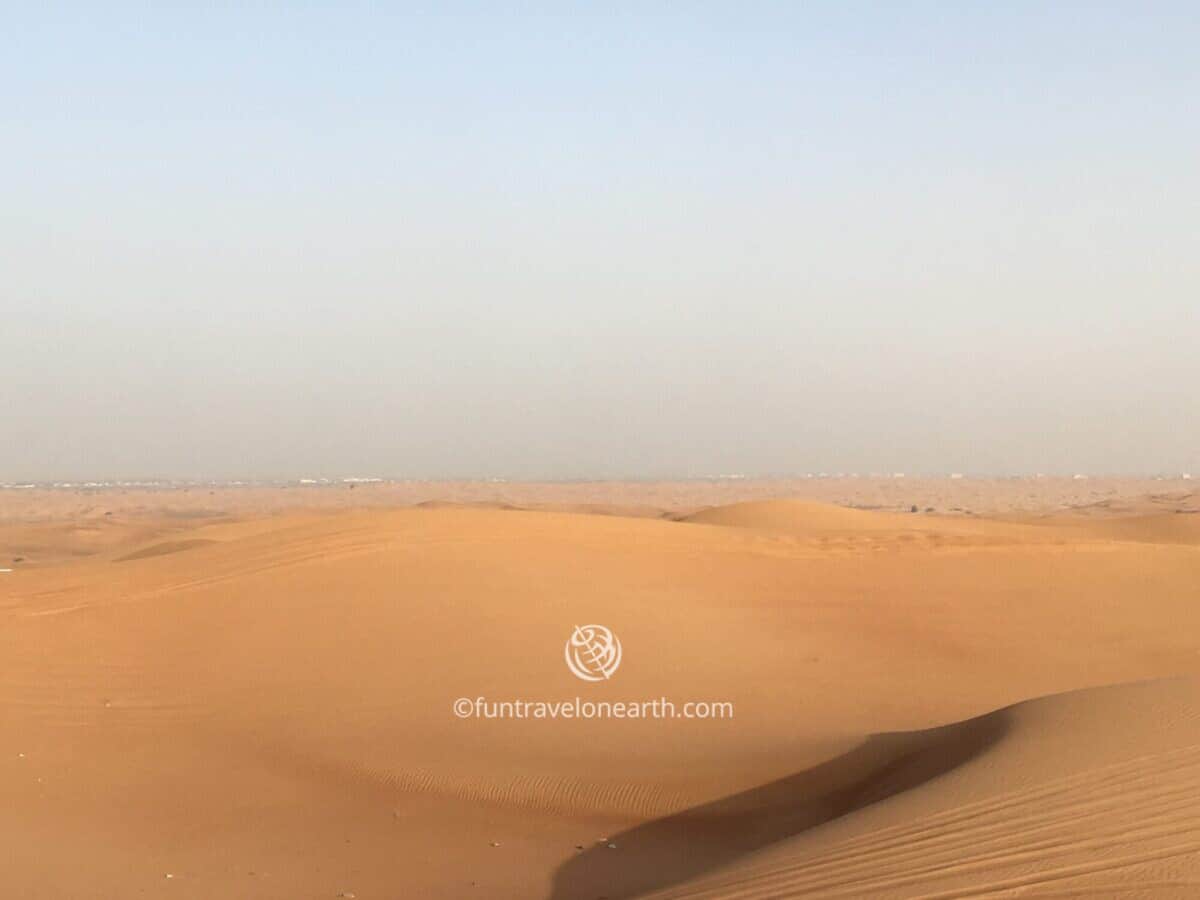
571	241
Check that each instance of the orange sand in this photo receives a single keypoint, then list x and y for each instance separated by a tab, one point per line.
257	702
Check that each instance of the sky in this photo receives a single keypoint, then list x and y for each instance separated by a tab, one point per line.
598	240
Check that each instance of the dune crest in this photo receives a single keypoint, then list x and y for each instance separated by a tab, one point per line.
164	548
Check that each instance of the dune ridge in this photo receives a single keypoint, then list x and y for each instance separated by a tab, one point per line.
1124	821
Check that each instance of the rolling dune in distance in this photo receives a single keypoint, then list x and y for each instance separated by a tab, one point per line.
259	701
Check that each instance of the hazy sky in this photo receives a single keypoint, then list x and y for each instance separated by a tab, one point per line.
598	239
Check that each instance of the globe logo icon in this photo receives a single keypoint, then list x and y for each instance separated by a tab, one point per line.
593	653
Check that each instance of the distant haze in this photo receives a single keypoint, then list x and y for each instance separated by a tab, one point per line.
596	242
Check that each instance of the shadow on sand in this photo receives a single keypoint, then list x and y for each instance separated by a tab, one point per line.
675	848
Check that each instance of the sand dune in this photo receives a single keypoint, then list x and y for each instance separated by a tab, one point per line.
810	520
262	707
1088	794
800	517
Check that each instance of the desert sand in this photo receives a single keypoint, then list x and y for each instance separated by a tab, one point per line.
250	692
